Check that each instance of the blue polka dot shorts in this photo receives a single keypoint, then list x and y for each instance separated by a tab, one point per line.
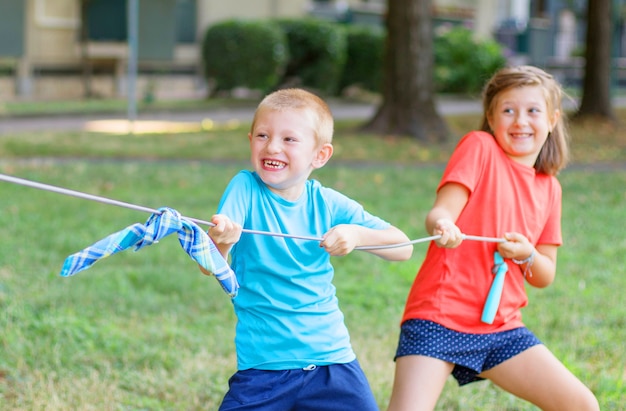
470	353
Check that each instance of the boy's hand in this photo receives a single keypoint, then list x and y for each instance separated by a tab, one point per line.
225	231
451	235
340	240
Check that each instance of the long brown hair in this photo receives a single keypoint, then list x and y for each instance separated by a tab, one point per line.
554	154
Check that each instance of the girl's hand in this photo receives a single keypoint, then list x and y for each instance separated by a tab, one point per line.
538	264
516	246
440	220
451	235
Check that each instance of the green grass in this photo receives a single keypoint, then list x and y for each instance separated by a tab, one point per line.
147	331
90	106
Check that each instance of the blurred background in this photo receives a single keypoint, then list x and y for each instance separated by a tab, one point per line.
68	49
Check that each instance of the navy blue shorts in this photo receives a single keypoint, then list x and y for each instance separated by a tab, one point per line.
314	388
471	354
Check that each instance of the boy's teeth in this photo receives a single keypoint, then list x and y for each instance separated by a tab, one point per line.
275	164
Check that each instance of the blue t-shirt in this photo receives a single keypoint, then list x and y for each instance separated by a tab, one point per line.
287	311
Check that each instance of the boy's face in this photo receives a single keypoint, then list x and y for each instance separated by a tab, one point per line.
284	150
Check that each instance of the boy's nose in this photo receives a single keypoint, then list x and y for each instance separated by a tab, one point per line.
273	145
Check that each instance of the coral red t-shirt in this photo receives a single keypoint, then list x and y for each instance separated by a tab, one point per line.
504	196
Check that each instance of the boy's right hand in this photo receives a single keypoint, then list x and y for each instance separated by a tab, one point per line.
225	231
451	235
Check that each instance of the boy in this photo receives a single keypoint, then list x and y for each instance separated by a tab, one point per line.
293	348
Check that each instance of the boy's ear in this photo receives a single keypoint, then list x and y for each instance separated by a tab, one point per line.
324	153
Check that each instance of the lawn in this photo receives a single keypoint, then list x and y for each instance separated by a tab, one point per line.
147	331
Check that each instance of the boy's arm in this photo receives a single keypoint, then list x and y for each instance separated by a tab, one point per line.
342	239
391	235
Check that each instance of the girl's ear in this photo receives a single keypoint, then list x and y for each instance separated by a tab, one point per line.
324	153
488	118
555	118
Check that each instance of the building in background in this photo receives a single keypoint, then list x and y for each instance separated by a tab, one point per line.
51	49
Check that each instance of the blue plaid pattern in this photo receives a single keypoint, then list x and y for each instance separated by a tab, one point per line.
159	225
109	245
196	243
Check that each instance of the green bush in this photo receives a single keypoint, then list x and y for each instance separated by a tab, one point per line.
328	57
317	53
365	54
238	53
463	64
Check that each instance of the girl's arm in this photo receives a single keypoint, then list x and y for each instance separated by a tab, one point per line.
441	219
540	269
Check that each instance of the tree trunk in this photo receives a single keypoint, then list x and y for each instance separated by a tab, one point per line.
408	106
86	66
596	96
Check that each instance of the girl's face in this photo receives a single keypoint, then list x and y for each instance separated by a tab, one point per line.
520	122
284	150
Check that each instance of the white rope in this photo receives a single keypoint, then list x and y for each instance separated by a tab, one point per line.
73	193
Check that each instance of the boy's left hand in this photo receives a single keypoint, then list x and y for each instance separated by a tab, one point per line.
340	240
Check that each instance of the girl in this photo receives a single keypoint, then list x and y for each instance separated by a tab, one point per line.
500	181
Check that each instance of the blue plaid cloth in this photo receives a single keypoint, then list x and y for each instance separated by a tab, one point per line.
196	243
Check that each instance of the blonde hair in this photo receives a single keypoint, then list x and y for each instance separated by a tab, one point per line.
299	99
554	154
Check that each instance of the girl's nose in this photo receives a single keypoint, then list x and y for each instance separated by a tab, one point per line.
521	118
